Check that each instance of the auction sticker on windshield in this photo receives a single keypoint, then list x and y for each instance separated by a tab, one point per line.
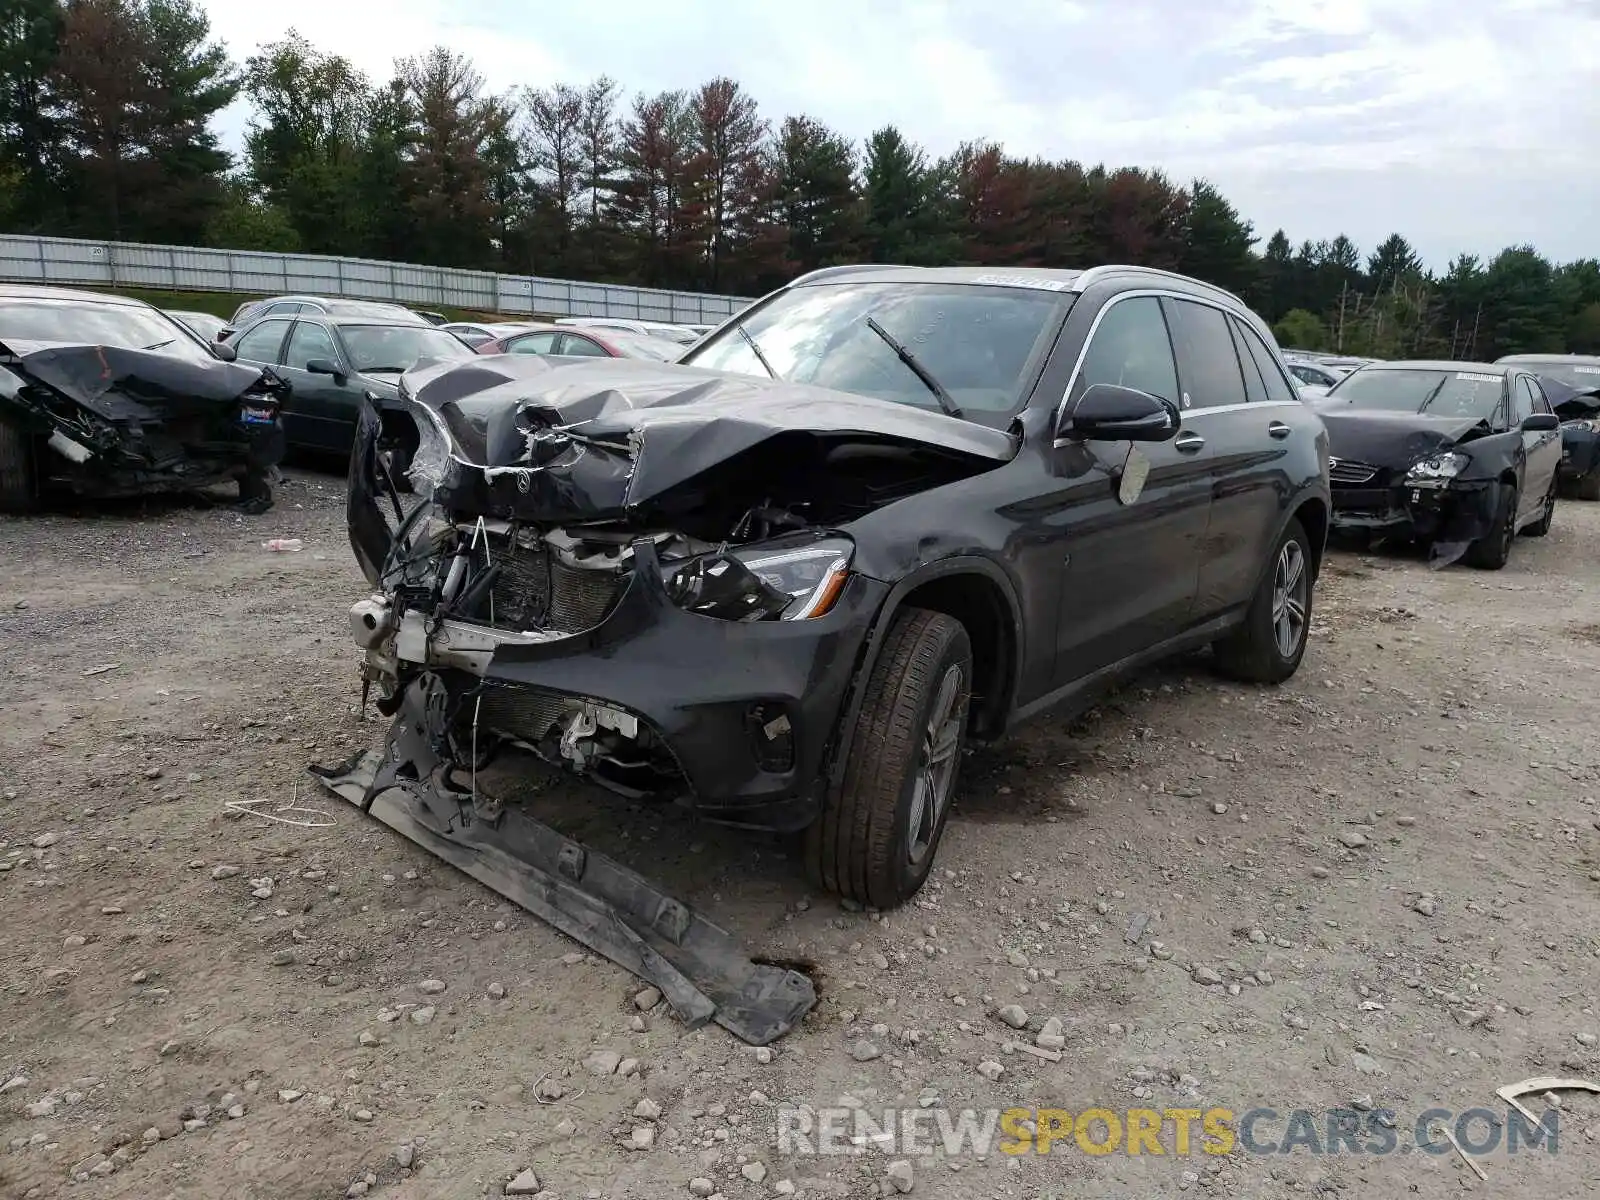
1471	378
1587	370
1027	281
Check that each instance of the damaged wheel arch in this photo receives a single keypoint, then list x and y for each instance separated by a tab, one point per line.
977	592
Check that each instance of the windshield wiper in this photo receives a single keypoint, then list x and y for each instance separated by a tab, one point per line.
159	345
921	372
756	350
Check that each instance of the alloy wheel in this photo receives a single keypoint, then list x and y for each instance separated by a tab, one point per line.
1291	584
936	765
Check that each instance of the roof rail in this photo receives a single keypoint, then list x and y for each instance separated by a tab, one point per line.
847	269
1095	274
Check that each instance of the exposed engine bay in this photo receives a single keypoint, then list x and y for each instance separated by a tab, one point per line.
546	503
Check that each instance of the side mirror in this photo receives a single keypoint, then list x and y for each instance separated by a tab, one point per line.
326	366
1107	412
224	351
1540	423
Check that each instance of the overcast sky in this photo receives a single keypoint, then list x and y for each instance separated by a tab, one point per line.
1463	124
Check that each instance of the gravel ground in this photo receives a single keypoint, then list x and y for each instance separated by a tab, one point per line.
1374	887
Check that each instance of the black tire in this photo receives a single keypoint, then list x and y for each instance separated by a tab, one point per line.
1542	526
1588	488
19	491
863	844
1254	651
1490	552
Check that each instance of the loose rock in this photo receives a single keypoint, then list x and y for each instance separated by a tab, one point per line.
642	1138
899	1175
602	1062
701	1186
755	1172
1207	976
647	999
1051	1035
431	987
423	1015
1014	1016
990	1069
647	1110
865	1051
525	1184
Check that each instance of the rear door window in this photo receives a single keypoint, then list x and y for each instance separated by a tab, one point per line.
1208	366
1267	363
1255	390
533	343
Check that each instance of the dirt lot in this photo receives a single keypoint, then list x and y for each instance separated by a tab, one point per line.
159	952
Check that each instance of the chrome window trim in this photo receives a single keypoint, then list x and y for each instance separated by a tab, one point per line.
1159	294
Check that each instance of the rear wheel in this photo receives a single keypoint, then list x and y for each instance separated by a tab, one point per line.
18	487
1490	552
1268	646
877	834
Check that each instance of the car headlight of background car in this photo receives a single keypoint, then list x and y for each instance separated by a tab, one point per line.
1437	470
778	580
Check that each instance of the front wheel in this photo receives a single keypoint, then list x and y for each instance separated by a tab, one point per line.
876	836
1490	552
1268	646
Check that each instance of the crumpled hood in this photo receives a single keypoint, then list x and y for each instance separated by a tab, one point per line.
597	437
1390	439
119	384
1570	403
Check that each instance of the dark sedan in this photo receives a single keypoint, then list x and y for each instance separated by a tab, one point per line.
330	362
1460	455
1573	385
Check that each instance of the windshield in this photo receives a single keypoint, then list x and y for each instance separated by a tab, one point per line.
1583	376
83	322
1436	392
979	342
394	349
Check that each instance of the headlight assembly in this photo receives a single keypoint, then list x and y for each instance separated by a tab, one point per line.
784	580
1438	470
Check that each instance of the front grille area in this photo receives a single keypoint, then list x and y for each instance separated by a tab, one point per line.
521	712
535	590
1344	470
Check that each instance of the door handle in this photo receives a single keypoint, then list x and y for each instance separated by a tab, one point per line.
1188	442
1278	429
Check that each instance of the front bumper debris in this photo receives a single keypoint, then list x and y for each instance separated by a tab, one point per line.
1448	518
732	718
698	967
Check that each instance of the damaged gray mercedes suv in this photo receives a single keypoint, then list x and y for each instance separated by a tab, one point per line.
785	579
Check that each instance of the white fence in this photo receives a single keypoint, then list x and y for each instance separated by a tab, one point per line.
68	261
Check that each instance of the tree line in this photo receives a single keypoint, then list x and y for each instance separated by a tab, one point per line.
107	113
